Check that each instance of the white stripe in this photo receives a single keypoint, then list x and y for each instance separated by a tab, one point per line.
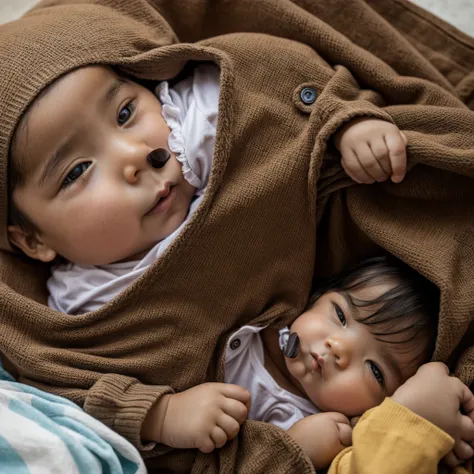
9	386
42	451
118	443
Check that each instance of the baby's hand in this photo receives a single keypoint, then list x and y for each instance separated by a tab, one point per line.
431	388
372	150
322	436
205	417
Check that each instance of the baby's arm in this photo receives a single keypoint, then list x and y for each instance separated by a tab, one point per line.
322	436
203	417
372	150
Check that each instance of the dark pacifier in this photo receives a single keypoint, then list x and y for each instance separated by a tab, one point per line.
158	158
292	347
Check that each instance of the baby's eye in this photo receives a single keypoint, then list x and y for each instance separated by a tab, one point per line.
75	173
377	373
340	314
125	113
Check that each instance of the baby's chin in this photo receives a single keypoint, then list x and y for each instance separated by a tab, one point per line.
100	259
136	256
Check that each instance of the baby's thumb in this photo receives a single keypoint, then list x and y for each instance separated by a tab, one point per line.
404	137
345	434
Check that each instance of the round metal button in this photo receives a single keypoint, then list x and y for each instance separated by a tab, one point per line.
235	344
308	95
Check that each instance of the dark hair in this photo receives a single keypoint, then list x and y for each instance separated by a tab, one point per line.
16	177
409	308
16	173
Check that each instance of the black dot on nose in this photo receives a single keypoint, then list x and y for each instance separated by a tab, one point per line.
158	158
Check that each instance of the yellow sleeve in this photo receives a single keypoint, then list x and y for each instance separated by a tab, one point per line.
392	439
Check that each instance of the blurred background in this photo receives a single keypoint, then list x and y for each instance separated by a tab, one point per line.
11	9
458	12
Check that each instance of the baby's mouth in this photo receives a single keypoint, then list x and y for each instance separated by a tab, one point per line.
317	363
161	202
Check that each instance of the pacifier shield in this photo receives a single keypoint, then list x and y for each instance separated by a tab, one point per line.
292	348
158	158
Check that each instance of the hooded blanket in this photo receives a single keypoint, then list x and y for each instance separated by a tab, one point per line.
278	208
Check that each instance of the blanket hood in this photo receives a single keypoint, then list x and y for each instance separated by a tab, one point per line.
49	42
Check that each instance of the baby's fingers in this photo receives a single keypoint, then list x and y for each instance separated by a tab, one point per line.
218	436
229	425
381	153
343	427
237	393
353	168
451	460
467	401
466	429
235	409
463	450
345	434
206	445
396	144
370	162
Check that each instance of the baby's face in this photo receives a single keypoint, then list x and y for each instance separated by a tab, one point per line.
341	366
89	189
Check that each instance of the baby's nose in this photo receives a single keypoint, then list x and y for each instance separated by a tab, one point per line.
341	349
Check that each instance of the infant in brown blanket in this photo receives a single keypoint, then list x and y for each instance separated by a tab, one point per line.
363	334
83	173
102	171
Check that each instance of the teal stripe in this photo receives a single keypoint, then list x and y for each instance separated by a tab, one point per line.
128	467
91	450
112	461
27	411
44	395
53	413
10	460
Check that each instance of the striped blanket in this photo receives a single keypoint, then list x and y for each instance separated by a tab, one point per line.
45	434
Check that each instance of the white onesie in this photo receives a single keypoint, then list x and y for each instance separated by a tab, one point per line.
190	109
244	366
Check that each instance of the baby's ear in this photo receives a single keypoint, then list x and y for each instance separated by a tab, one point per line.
31	245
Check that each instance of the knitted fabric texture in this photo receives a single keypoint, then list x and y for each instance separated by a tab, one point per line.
278	208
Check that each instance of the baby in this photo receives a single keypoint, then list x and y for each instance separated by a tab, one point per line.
362	335
94	182
108	183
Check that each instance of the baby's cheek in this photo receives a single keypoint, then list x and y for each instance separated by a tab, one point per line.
100	222
348	396
330	398
99	231
296	368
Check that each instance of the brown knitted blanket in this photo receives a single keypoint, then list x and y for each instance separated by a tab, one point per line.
278	207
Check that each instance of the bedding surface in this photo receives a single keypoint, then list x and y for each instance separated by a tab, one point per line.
43	433
457	12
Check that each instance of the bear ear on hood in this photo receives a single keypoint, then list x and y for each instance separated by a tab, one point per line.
54	39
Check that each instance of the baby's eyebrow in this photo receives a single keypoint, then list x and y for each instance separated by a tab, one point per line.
349	301
114	89
54	161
